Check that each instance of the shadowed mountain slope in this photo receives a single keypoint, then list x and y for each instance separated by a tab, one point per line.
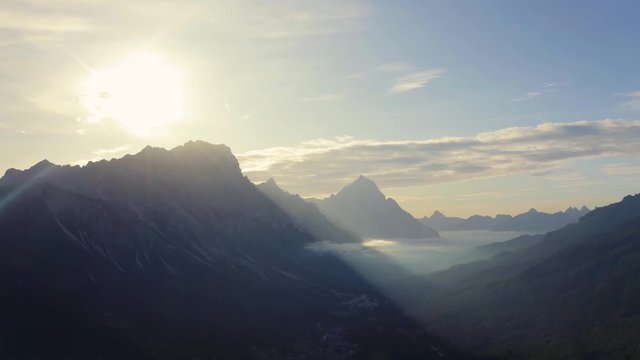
173	254
306	214
572	294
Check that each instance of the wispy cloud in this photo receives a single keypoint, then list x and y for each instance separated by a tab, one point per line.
322	165
528	96
542	90
245	19
38	23
572	180
633	101
30	21
395	67
322	98
621	170
288	19
416	80
481	195
111	151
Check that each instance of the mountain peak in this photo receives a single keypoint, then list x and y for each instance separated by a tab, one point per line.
197	143
42	165
202	145
271	181
437	215
151	151
532	211
38	171
362	187
194	149
199	149
192	154
363	209
364	181
270	184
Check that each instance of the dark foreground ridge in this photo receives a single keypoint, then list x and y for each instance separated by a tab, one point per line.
572	294
174	254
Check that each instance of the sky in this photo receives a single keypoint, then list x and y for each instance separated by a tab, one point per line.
460	106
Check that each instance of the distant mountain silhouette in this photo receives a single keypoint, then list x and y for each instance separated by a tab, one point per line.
440	222
175	254
531	221
477	222
575	213
363	209
306	214
534	220
574	293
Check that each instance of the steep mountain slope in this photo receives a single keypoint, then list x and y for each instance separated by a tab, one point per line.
573	294
306	215
363	209
514	244
174	254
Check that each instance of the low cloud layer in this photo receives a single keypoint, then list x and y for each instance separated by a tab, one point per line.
321	166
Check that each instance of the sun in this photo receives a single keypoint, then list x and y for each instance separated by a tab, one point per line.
143	93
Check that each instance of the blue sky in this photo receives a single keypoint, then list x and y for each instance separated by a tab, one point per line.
331	89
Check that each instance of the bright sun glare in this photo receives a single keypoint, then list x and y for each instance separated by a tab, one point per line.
144	93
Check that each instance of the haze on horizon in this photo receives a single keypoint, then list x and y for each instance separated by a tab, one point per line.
441	115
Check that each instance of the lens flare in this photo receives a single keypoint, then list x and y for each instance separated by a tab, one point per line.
143	93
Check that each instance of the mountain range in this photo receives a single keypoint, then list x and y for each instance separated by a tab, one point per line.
363	209
174	254
530	221
573	293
